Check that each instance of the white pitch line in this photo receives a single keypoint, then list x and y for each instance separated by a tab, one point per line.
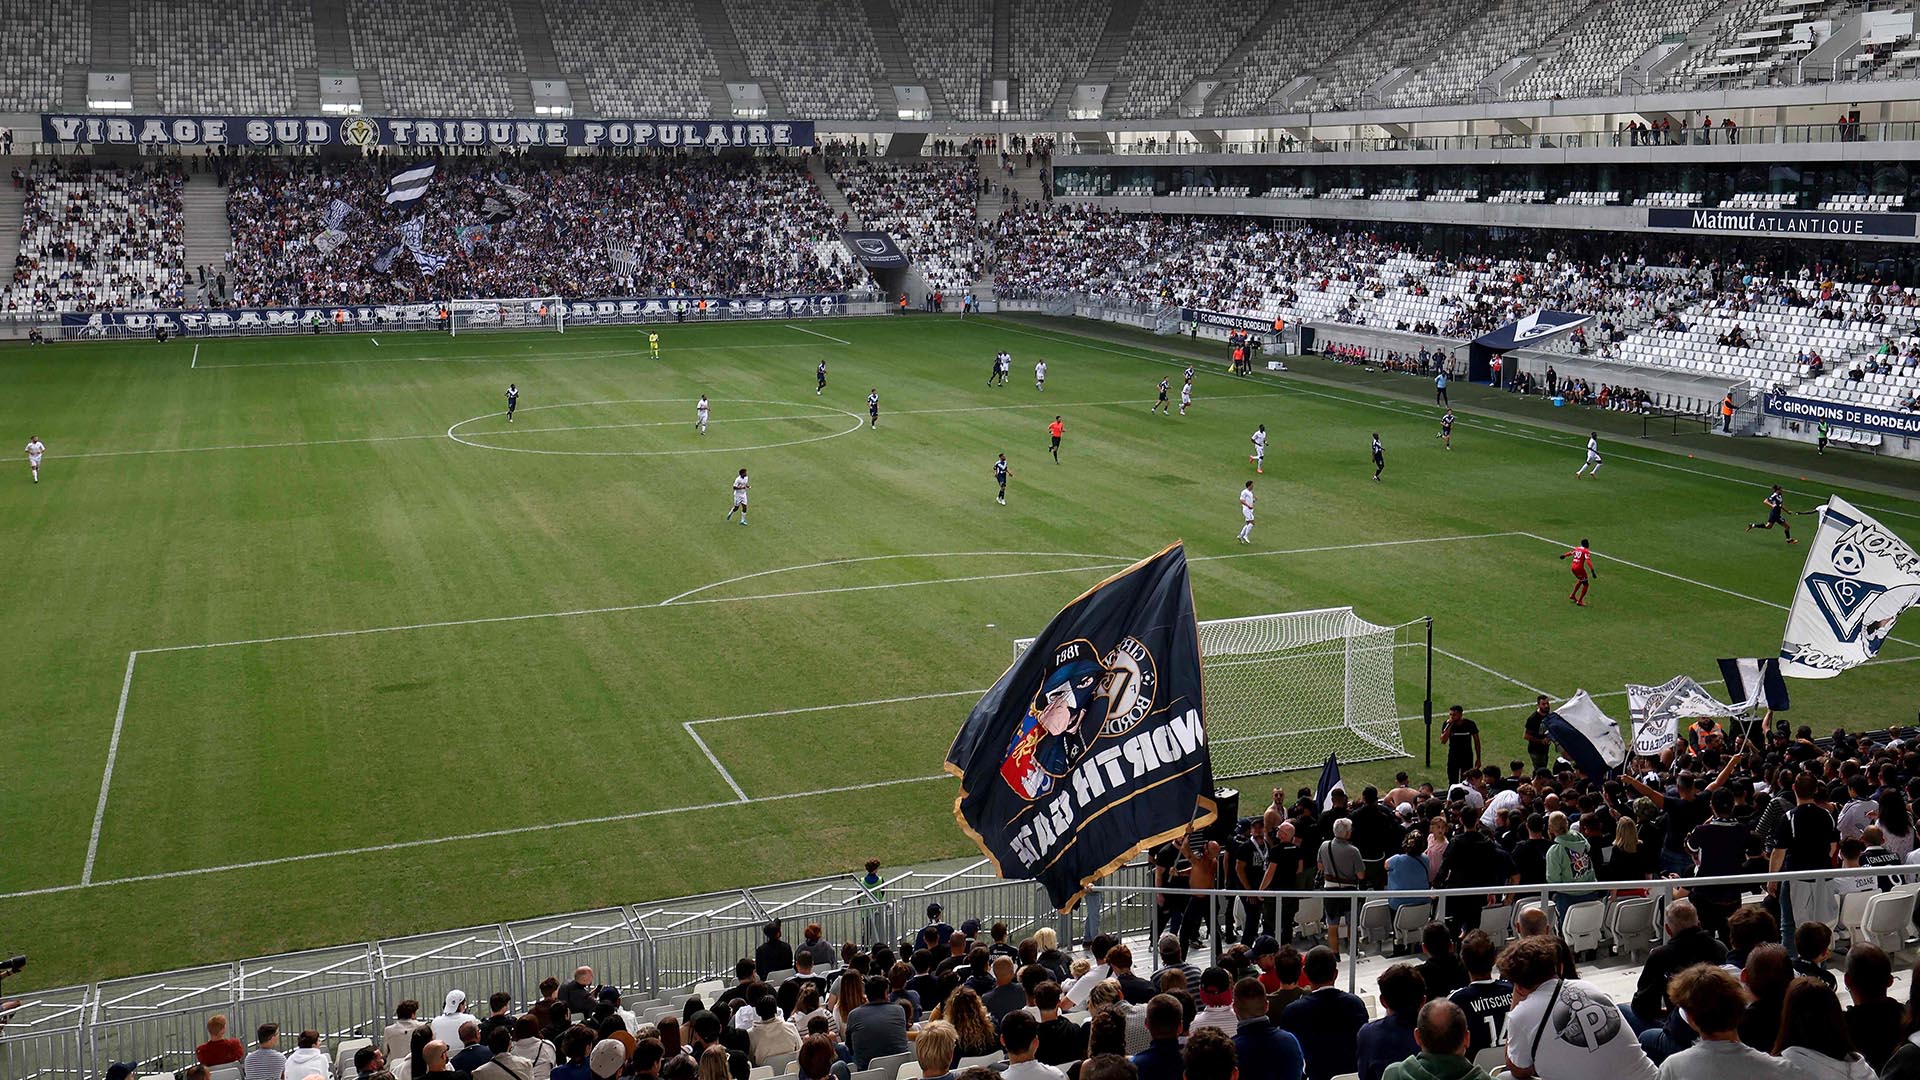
106	776
250	446
816	333
843	705
1484	422
885	558
1488	670
482	358
196	356
715	761
517	830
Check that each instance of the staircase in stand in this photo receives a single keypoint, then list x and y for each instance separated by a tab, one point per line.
206	231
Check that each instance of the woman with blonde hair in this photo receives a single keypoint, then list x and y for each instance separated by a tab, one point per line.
809	1005
1627	861
848	996
972	1028
1051	957
933	1049
1436	847
715	1063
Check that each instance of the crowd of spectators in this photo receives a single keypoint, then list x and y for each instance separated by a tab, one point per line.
928	206
99	237
579	227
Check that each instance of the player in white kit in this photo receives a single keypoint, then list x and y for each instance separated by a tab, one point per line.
1186	397
700	415
1040	376
1258	459
35	449
739	497
1246	512
1593	455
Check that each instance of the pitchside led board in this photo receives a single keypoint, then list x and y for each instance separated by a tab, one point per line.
368	131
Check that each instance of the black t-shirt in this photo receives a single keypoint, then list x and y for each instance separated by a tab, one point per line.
1530	860
1808	835
1536	728
1460	742
1682	815
1722	846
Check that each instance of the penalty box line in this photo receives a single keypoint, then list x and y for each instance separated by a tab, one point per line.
740	796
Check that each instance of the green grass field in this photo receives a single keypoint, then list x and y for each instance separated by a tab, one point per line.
366	660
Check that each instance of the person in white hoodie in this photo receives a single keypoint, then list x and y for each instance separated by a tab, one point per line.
308	1059
1813	1037
446	1026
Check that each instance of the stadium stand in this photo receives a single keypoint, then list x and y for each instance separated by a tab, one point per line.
693	226
1052	40
1292	46
1505	28
1760	200
1400	37
1593	56
37	43
1519	195
462	69
1670	199
228	57
1170	48
1863	203
659	66
952	45
927	206
1589	198
823	57
98	238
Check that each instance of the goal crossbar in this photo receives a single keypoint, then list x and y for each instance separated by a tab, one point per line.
1285	690
471	313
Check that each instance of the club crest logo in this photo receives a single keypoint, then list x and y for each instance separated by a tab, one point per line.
1843	601
359	131
873	247
1084	696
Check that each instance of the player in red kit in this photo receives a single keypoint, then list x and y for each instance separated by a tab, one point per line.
1582	557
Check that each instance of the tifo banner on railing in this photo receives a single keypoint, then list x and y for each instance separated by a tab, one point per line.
1791	222
72	129
426	315
875	250
1844	414
1227	319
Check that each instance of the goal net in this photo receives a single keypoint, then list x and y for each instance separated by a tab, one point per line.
506	313
1285	690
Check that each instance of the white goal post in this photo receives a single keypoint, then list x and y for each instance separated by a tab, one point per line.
1285	690
506	313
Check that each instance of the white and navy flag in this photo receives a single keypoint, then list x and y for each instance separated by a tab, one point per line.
1857	580
383	262
1092	746
428	262
337	213
1755	684
1656	712
1588	737
413	233
410	184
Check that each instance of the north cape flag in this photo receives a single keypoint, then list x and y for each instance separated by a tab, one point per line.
409	185
1588	737
1857	580
1755	684
1092	747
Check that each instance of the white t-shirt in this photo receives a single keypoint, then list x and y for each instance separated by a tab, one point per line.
1593	449
1186	393
35	449
739	489
701	408
1246	500
1587	1038
1040	370
1260	443
1502	800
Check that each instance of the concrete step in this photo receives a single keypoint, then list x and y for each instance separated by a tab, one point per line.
1105	60
332	40
208	236
12	207
829	190
530	27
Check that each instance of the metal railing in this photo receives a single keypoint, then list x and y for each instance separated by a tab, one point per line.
1689	136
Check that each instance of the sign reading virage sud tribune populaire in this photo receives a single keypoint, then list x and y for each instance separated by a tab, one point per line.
369	131
1093	745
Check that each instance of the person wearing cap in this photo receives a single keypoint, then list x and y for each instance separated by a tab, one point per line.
943	933
609	998
607	1059
1216	1003
453	1014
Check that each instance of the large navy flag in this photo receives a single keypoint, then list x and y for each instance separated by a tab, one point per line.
1755	683
1092	746
1532	330
1857	580
1590	738
1330	782
408	185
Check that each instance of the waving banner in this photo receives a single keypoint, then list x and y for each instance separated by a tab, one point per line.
1092	746
1656	712
1857	580
1589	737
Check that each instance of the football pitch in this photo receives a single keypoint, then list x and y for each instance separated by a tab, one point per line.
307	644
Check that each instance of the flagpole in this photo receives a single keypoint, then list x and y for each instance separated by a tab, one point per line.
1426	707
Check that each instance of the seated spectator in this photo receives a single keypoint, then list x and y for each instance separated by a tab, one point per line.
1441	973
933	1049
1006	996
1713	1003
1020	1035
309	1057
1061	1040
1767	975
1687	944
266	1062
1209	1056
1603	1049
219	1049
770	1035
1286	974
1261	1049
818	1058
1813	1038
1443	1035
1485	999
1389	1039
1812	944
1161	1060
1326	1020
971	1026
472	1053
1216	1002
503	1064
1874	1020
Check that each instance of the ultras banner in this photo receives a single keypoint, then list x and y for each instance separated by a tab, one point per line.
1857	580
422	315
369	131
1093	745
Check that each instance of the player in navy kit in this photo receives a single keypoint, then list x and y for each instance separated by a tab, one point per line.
1776	508
513	401
1000	477
1379	456
1161	405
1446	429
820	379
873	407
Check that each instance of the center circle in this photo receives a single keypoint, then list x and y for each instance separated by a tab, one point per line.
822	411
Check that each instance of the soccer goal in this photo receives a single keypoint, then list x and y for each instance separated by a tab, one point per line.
506	313
1285	690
